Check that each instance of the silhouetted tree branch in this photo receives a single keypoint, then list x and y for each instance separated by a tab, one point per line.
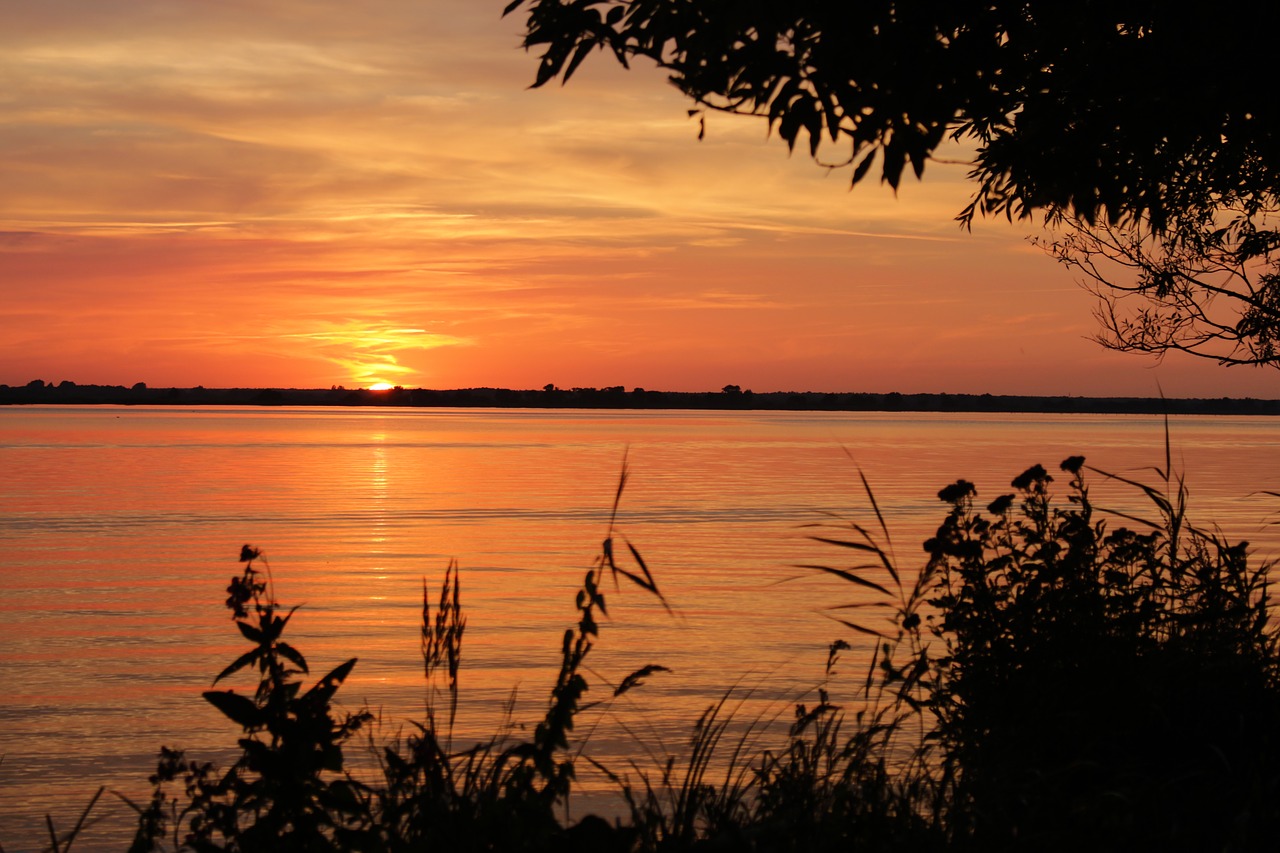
1210	289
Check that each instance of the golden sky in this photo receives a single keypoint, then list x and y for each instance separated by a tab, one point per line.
302	194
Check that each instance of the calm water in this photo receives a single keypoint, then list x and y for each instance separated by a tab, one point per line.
121	528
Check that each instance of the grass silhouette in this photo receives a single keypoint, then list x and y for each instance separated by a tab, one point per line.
1055	676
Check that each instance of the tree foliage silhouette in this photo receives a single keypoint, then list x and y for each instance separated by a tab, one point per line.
1152	121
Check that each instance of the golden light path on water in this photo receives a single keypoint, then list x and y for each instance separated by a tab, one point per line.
121	527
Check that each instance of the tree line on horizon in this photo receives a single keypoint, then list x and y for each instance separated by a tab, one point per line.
731	397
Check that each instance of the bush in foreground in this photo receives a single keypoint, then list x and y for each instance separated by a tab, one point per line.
1100	688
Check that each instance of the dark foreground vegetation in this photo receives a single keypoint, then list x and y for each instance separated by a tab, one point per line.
731	397
1047	681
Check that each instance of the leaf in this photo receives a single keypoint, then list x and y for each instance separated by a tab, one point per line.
918	154
293	655
894	159
830	112
617	496
789	128
860	171
327	686
649	583
80	824
875	657
848	576
239	709
866	548
239	664
861	629
128	802
273	626
884	528
1136	519
546	70
813	124
251	634
580	54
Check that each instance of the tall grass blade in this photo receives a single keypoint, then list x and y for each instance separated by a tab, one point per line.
847	576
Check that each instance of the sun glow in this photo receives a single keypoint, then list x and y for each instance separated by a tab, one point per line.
381	386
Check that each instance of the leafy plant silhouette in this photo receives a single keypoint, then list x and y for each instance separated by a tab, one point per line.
1081	686
1103	686
287	791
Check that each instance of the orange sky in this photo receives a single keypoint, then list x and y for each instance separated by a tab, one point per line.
303	194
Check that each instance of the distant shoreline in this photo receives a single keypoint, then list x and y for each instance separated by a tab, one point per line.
731	399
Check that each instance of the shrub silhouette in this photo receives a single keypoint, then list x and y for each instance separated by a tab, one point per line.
286	791
1045	682
1102	688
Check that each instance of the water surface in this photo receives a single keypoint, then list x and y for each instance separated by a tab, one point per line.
121	527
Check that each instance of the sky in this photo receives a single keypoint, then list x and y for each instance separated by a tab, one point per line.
304	193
